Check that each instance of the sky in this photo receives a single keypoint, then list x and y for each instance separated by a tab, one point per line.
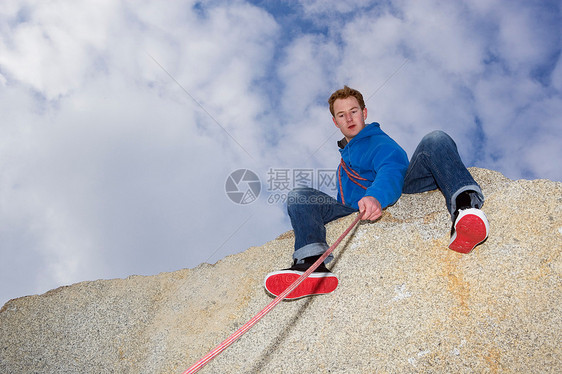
125	123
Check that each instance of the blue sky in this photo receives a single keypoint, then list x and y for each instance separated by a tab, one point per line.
122	120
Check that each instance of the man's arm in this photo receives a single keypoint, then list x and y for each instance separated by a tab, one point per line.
390	163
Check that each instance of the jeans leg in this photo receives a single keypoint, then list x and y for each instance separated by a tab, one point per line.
436	164
309	210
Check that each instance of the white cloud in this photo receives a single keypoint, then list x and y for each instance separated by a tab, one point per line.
52	45
110	167
473	69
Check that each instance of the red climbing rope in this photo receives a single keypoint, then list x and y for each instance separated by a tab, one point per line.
232	338
352	175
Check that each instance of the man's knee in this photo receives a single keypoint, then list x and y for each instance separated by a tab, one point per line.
297	196
436	136
306	196
436	139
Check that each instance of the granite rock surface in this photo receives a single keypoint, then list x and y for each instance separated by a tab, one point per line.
405	303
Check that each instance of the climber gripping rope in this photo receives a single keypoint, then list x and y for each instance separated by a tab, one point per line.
373	172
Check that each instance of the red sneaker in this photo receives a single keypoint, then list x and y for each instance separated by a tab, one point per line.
470	229
321	281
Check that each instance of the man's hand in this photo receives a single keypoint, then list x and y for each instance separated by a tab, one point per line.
370	208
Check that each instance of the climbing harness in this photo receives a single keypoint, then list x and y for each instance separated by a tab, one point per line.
232	338
352	175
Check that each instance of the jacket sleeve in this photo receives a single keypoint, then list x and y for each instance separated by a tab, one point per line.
389	162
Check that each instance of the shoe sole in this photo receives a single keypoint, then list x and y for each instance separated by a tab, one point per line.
315	284
471	229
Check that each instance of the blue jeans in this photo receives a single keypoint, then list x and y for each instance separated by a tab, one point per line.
435	164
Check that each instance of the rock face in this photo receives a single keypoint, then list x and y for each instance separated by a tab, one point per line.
405	303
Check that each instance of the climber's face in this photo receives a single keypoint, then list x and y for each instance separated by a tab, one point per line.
349	117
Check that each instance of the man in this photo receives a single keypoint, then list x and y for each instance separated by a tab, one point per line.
374	171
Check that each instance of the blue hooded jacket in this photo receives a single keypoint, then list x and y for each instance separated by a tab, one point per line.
378	159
